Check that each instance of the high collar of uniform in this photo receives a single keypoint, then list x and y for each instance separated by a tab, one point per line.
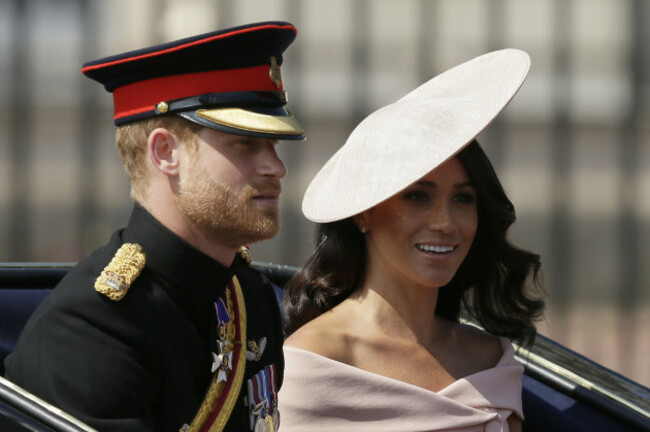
174	259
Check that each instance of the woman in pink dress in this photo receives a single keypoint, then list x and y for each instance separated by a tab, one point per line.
412	235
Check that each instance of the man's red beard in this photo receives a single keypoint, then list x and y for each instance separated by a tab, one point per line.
230	218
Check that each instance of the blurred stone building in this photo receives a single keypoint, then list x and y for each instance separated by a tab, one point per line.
573	149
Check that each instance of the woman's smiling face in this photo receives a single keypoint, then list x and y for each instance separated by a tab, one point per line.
423	233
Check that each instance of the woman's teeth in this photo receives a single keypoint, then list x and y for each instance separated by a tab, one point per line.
435	249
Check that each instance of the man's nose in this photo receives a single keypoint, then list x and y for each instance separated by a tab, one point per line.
271	165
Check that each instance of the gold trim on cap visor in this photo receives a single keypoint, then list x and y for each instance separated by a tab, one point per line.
253	122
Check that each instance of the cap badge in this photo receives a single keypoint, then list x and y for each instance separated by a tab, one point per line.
275	74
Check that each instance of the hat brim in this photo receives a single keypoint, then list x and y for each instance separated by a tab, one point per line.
274	123
402	142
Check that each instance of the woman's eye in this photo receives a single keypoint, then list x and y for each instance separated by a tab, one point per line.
464	197
417	196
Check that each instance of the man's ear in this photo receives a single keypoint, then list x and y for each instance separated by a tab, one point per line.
163	151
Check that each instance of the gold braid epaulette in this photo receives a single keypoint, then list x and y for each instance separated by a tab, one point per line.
117	277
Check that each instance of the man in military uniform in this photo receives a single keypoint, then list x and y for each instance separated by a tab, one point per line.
167	327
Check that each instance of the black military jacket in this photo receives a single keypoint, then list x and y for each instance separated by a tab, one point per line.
143	362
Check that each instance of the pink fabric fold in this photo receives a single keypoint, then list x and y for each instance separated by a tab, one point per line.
320	394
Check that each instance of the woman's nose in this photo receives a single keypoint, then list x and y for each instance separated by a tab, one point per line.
441	218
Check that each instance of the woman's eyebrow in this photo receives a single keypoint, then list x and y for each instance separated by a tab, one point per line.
430	184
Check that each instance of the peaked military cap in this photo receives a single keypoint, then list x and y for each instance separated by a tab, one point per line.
227	80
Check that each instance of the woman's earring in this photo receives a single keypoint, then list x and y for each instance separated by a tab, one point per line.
363	230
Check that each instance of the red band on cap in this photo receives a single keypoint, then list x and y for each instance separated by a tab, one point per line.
143	96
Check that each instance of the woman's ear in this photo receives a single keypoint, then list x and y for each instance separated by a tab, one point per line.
163	151
361	221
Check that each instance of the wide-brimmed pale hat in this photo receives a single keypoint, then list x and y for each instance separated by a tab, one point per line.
400	143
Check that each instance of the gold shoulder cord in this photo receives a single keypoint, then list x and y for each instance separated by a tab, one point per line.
117	277
221	396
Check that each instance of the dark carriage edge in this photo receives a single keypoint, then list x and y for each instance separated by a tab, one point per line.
562	390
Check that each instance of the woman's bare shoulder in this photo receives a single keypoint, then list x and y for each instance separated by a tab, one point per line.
322	337
306	337
484	348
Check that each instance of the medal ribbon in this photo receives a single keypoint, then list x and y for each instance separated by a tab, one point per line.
262	400
220	399
223	317
273	381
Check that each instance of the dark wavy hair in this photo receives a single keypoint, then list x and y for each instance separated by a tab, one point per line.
497	284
